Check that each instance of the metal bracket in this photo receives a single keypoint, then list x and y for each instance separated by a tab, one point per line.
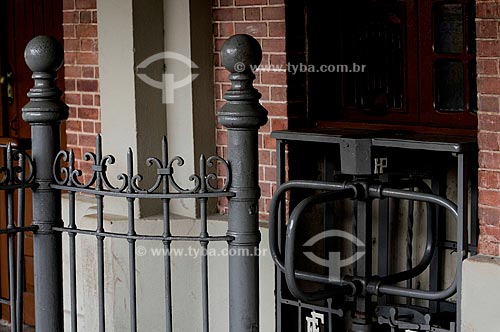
355	156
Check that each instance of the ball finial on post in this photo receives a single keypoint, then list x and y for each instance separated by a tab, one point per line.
241	53
44	54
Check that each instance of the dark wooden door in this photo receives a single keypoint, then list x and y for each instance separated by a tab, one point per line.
20	21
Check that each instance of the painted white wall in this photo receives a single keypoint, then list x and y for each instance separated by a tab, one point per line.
132	112
186	273
179	114
480	309
117	76
117	81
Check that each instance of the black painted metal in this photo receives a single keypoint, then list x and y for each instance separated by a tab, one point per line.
44	112
16	176
290	244
398	181
56	171
165	188
242	115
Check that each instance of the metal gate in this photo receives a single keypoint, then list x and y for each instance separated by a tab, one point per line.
368	170
47	171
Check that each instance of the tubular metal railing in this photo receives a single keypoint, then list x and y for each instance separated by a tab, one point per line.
353	285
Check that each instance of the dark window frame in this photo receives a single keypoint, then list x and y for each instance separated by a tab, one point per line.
419	59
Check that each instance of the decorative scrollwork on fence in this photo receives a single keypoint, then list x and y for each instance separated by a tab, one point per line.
67	174
18	171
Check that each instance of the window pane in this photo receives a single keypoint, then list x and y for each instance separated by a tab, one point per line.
361	33
449	86
448	28
376	41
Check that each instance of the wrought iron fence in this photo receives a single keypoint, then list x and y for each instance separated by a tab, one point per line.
166	189
56	171
16	176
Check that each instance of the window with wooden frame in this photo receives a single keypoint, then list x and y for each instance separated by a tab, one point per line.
418	58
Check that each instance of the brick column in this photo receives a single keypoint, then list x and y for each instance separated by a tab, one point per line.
488	86
81	69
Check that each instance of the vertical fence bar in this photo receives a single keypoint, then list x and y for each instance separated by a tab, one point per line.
45	111
72	262
99	237
462	221
20	249
204	247
280	179
100	264
11	243
72	249
409	243
242	115
131	246
166	234
362	316
167	265
204	263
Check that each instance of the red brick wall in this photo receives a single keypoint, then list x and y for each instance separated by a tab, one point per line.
488	84
264	20
81	75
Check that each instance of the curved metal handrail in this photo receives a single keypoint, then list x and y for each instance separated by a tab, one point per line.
377	285
293	222
429	244
273	225
380	288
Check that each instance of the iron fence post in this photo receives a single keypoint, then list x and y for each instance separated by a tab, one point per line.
243	115
45	111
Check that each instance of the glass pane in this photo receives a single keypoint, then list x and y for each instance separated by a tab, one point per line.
448	28
449	86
